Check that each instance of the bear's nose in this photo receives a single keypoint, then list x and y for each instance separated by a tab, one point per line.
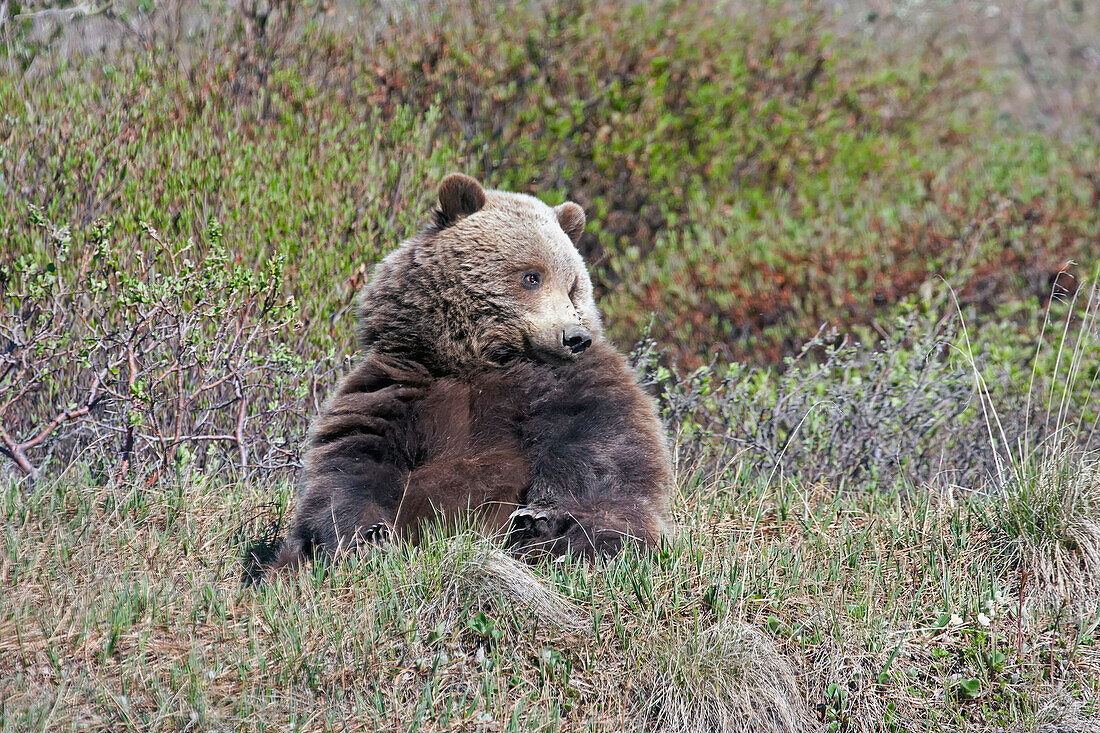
576	339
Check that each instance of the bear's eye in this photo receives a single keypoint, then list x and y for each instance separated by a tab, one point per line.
531	280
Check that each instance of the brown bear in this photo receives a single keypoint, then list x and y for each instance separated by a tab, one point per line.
485	386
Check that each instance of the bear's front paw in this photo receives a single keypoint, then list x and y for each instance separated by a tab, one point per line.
536	528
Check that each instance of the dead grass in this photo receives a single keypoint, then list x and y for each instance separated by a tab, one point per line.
1049	527
725	676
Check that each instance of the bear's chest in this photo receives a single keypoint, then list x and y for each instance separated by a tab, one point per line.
462	418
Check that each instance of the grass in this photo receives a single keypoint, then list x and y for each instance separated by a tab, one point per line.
123	609
1048	518
1050	524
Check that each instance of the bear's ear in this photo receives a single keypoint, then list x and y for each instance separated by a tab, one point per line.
459	196
571	218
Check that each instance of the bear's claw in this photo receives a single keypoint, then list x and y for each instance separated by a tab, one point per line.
376	534
526	525
529	514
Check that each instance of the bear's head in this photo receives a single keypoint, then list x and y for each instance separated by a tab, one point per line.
495	277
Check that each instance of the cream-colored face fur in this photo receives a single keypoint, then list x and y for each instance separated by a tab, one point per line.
495	278
522	261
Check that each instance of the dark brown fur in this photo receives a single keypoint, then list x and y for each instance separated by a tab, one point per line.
449	413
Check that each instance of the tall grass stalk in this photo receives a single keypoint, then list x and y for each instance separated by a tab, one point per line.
1045	515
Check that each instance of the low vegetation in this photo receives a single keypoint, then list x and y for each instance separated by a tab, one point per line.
781	606
890	522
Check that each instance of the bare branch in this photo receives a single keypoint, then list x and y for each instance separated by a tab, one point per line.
20	458
172	353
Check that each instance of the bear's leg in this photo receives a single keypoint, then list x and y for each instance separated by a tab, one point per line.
358	462
600	468
346	524
301	544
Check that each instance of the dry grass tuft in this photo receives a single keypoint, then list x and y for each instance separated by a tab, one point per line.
1049	527
477	573
726	677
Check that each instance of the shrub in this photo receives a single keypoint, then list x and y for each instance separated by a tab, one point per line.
143	354
748	175
839	414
